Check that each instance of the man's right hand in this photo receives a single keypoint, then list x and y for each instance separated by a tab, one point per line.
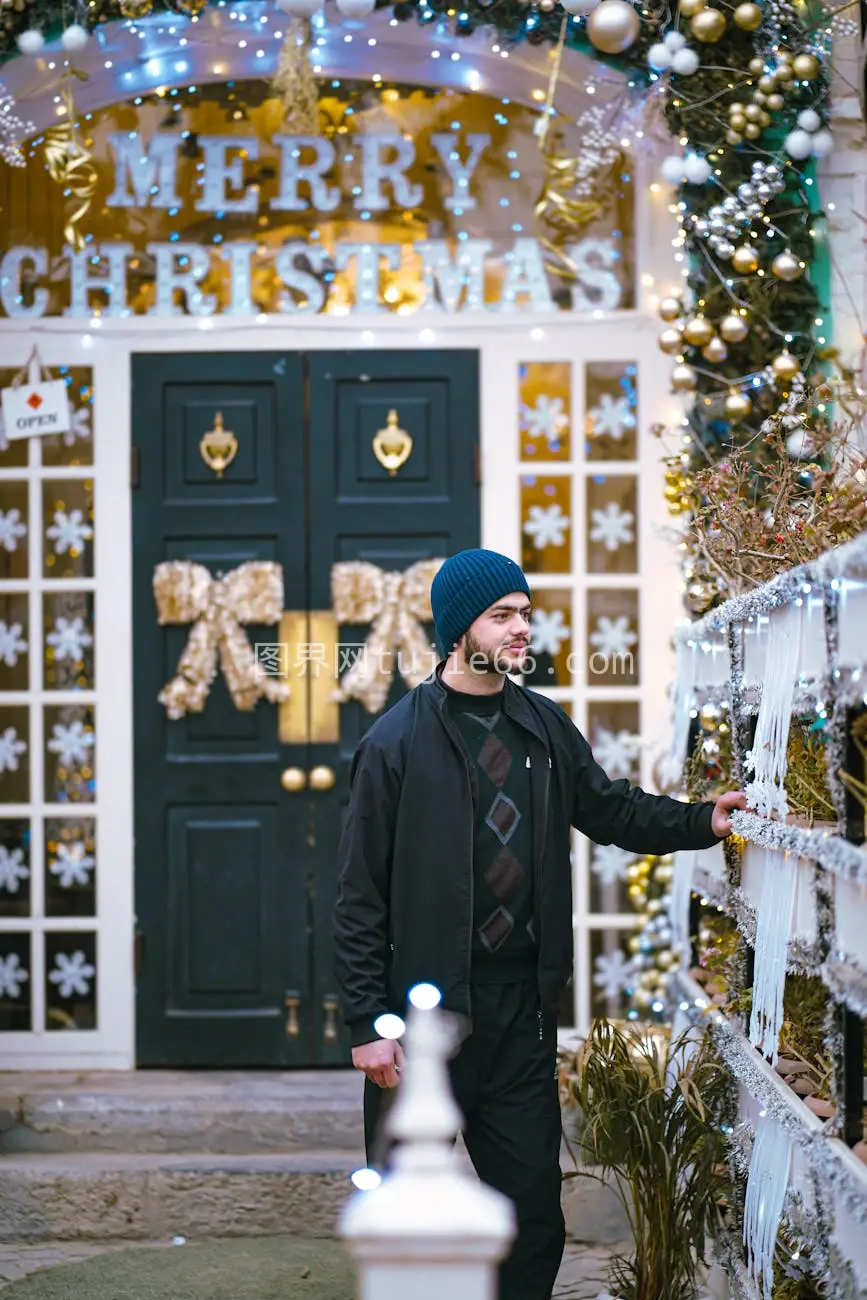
380	1061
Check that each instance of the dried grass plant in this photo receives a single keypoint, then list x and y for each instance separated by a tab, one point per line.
651	1112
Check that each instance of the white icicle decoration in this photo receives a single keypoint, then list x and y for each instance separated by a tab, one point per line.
767	759
767	1184
684	703
678	913
774	924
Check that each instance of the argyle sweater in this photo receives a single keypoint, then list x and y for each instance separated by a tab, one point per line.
504	945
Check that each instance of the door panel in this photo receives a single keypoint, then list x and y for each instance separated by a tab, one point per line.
221	851
235	876
359	511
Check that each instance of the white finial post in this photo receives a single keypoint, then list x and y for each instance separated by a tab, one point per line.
428	1230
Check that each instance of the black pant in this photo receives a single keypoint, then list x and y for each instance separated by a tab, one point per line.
504	1083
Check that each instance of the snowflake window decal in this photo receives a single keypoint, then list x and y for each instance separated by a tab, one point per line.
612	973
69	532
546	419
69	639
72	974
613	636
548	631
612	526
547	525
12	976
71	743
615	751
609	863
12	527
12	643
12	869
72	865
612	418
11	749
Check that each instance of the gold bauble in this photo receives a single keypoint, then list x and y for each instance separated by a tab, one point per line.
806	67
670	308
671	494
759	97
715	352
709	716
745	260
649	979
738	123
664	874
654	907
671	341
708	26
642	999
698	332
738	405
736	107
757	66
767	83
135	8
683	379
786	266
784	71
748	17
734	137
690	7
752	131
785	367
613	26
632	872
634	944
191	6
664	959
733	328
765	119
776	102
752	113
636	892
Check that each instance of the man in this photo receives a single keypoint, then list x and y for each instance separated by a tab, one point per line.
455	870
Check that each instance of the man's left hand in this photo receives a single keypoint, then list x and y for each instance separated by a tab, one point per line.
721	822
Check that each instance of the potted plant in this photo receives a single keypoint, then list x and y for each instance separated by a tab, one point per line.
652	1112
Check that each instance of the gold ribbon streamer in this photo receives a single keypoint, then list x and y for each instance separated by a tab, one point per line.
186	592
295	82
71	166
396	604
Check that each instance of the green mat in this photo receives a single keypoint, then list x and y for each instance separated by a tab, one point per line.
263	1268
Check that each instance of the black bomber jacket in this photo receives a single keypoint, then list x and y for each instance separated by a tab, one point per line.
404	906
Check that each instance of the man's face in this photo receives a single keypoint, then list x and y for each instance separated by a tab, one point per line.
499	639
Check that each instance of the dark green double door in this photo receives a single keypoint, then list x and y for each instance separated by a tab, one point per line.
235	873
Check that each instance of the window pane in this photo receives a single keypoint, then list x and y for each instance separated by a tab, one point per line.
546	410
612	510
68	624
15	992
546	524
70	754
14	641
14	867
611	397
612	637
70	867
13	530
67	510
70	981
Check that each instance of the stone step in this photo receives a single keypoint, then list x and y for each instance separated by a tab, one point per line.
224	1113
109	1196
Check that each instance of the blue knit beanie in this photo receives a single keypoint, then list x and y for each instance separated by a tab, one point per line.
465	586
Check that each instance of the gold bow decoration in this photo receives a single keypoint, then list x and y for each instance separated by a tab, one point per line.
70	165
186	592
396	604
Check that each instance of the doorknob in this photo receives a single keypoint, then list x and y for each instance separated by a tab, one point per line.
321	778
293	779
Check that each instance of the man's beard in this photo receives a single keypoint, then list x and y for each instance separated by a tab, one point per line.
483	660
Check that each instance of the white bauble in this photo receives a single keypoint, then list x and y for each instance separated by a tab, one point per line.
685	62
672	169
658	57
799	445
697	170
581	7
356	8
74	38
823	143
674	41
799	145
31	42
300	8
809	120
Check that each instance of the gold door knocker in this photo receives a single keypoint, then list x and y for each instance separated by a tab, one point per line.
392	445
218	446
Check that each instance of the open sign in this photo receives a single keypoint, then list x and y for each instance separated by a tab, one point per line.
33	409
